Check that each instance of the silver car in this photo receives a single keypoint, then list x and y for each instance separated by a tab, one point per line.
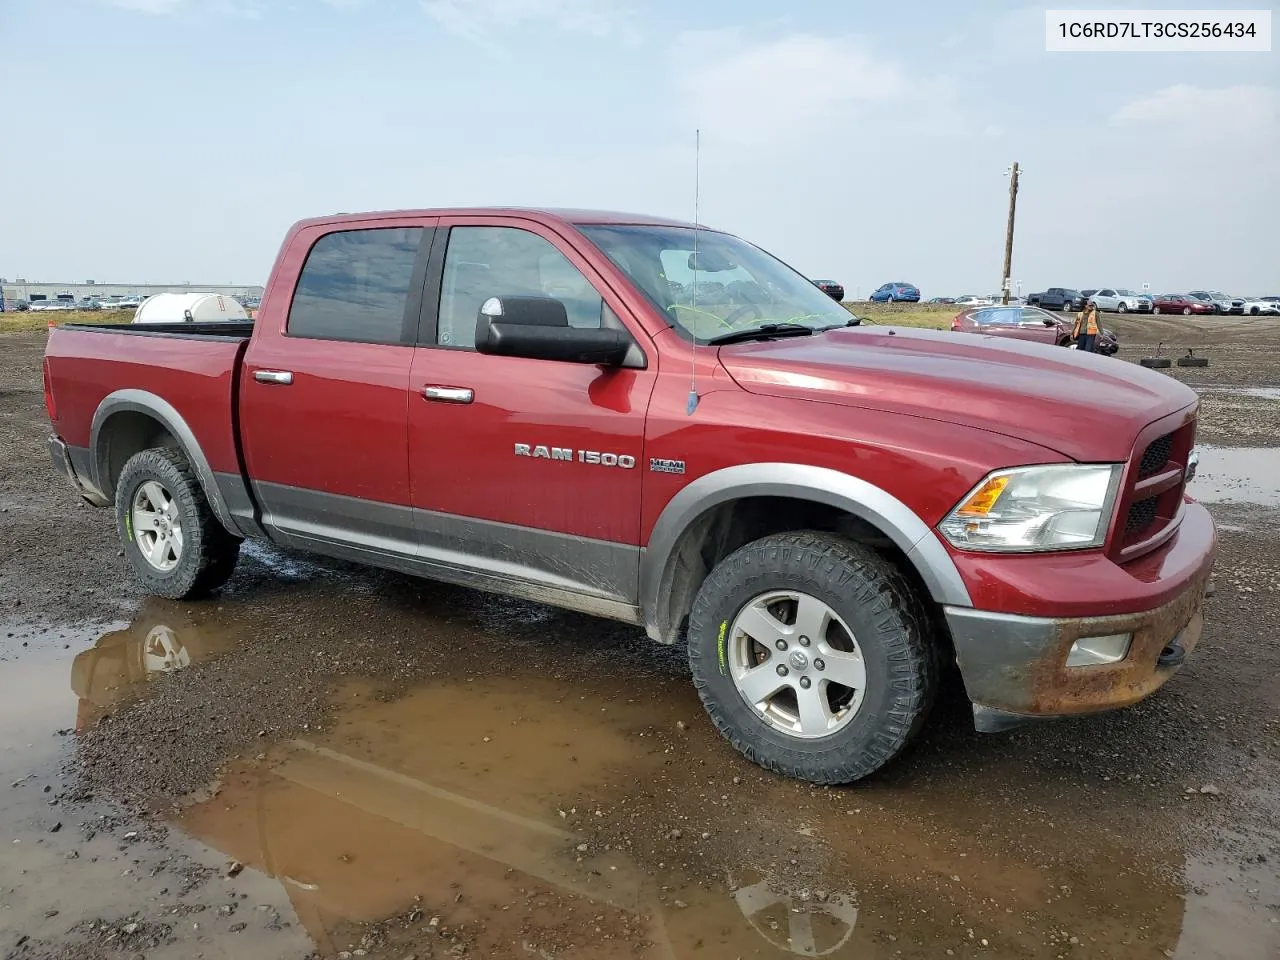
1119	300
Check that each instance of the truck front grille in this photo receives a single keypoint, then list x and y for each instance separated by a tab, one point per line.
1148	513
1155	456
1141	515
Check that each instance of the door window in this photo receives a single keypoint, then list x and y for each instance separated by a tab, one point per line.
484	262
354	286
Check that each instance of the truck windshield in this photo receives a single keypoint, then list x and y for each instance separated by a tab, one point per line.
730	285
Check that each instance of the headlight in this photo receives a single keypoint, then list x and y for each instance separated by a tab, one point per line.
1024	509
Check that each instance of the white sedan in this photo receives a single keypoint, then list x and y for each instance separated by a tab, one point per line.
972	301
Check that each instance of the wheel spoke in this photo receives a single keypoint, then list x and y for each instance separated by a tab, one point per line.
153	494
812	618
158	552
760	683
171	510
846	669
800	928
175	541
145	519
815	714
761	626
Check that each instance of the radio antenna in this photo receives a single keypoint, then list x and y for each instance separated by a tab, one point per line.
693	289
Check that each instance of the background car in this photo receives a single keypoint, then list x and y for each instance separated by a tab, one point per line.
969	300
1057	298
1028	323
1180	303
832	289
1260	306
1221	302
1120	300
941	300
897	293
50	305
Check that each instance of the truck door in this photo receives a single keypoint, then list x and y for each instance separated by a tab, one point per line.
324	386
522	469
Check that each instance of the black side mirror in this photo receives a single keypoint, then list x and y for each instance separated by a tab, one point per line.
537	328
1049	322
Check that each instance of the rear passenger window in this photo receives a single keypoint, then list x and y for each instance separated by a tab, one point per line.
354	286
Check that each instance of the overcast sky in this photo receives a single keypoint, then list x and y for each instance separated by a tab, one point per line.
170	140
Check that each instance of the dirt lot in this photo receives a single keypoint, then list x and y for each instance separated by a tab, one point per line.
332	761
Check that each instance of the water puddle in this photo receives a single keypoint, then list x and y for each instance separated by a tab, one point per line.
1238	475
562	812
1256	393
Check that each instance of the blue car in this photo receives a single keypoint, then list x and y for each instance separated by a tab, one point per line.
897	293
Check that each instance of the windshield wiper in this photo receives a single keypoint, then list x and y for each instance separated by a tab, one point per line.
766	331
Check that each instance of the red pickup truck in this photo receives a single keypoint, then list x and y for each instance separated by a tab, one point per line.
665	425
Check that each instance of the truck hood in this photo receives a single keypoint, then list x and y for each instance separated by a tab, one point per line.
1084	406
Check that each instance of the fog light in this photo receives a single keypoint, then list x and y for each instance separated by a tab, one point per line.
1091	651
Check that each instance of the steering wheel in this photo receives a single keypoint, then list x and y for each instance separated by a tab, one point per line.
741	312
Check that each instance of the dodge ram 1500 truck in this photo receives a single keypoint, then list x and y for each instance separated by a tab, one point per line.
663	424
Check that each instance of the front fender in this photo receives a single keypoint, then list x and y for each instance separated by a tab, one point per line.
796	481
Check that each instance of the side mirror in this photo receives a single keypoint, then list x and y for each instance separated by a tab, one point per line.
855	321
1049	322
537	328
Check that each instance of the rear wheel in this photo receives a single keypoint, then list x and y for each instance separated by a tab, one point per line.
811	655
176	545
1155	309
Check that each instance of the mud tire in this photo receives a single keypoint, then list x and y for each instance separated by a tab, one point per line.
1193	361
209	552
891	626
1156	363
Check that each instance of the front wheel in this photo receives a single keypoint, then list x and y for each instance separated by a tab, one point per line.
812	656
177	547
1155	309
1186	311
1121	308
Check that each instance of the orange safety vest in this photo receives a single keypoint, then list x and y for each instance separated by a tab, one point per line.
1092	327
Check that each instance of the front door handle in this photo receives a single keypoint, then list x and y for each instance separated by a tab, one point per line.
283	377
448	394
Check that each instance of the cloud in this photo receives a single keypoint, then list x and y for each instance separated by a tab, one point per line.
1241	108
480	21
768	91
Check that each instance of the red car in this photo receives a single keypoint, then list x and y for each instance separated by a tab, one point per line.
534	403
1176	303
1028	323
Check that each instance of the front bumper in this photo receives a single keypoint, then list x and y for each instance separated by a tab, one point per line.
1015	666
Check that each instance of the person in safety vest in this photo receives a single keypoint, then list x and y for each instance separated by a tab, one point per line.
1085	330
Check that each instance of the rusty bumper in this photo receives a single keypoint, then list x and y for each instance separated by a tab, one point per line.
1015	668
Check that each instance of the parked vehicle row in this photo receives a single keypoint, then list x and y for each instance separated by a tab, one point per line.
1120	300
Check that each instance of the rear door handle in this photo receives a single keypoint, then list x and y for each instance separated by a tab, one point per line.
448	394
284	377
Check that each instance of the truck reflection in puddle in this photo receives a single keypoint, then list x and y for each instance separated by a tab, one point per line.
431	818
117	667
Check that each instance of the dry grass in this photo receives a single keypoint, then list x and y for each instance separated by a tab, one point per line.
28	320
931	316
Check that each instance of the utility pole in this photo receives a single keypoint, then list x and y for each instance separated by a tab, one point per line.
1012	174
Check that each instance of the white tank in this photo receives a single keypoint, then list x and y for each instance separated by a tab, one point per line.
188	308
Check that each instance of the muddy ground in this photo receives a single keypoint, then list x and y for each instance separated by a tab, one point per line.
332	761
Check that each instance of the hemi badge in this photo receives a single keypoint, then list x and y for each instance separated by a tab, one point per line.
666	466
